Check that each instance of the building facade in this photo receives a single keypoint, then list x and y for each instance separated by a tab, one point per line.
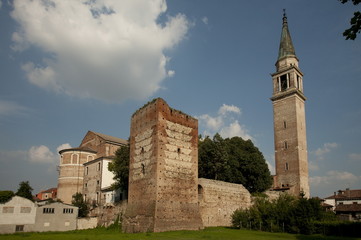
289	120
71	167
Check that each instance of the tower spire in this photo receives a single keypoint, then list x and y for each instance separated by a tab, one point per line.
286	47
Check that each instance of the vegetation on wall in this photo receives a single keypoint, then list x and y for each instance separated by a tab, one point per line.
79	202
233	160
286	214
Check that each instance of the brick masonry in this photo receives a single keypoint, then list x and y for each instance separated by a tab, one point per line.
163	171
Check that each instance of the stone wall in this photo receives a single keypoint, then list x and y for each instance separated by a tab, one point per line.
218	200
163	171
87	223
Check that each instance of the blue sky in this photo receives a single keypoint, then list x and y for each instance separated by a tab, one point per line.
68	67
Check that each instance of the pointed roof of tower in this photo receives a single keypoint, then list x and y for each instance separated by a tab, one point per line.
286	46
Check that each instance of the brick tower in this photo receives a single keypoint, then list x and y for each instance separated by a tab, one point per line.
289	120
163	171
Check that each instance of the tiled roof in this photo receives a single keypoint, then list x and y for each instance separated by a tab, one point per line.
111	138
346	194
348	208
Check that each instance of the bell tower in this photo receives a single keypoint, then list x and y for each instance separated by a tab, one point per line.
289	120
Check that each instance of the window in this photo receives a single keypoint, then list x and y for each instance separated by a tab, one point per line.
19	228
25	209
98	166
86	185
286	145
48	210
284	124
8	209
67	210
284	82
98	182
86	171
286	166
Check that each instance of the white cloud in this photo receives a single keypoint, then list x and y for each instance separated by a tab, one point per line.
334	180
171	73
313	166
205	20
355	156
41	154
8	108
327	147
102	49
63	146
224	109
224	123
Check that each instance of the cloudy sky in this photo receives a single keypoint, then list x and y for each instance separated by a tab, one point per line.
72	66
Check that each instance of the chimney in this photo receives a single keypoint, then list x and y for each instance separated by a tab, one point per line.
348	193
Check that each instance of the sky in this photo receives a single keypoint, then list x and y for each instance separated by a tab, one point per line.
67	67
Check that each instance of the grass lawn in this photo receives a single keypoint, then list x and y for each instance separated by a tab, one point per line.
218	233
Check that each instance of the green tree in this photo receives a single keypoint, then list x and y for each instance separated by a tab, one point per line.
120	167
355	22
25	190
6	196
233	160
212	158
79	202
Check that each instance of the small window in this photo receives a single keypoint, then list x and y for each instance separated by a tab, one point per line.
48	210
25	209
340	203
98	166
19	228
284	124
86	185
143	168
178	150
86	171
8	209
286	167
286	145
98	182
284	84
67	210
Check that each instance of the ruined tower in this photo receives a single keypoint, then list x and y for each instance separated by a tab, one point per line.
289	120
163	171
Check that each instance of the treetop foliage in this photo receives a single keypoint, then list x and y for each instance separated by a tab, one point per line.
355	22
233	160
285	214
79	202
120	167
25	190
6	196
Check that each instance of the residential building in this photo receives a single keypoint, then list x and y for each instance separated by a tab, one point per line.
346	204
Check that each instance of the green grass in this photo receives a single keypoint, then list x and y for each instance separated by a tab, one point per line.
218	233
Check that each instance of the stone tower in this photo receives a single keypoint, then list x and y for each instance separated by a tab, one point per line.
163	171
289	120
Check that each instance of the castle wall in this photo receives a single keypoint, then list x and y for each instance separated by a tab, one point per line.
218	200
163	171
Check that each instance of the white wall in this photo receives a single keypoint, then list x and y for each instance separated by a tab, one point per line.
17	217
107	176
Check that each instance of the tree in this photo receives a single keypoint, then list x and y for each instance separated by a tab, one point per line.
79	202
25	190
6	196
355	22
233	160
120	167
